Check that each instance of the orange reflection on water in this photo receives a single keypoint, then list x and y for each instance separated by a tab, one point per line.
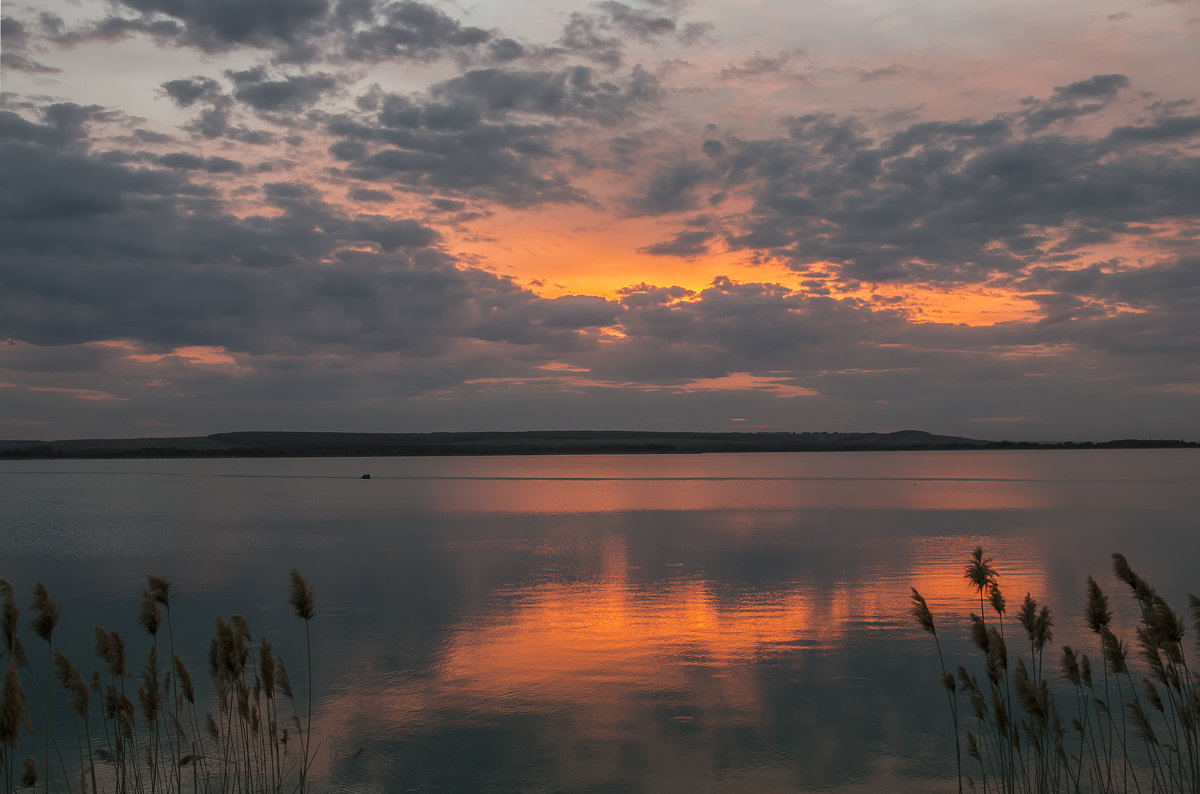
601	495
607	658
939	574
562	641
584	643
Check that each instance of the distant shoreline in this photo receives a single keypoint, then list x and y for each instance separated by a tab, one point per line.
273	444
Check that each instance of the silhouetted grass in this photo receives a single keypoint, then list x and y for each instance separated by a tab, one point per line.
1129	726
243	743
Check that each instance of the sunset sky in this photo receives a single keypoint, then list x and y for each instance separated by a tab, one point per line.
977	219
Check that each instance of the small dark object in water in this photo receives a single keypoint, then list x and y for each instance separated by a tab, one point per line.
365	477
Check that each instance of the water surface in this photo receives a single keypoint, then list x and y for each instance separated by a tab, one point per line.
606	623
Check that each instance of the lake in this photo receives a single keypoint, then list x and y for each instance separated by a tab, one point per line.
625	623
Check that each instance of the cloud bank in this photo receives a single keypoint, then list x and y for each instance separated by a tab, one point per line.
366	215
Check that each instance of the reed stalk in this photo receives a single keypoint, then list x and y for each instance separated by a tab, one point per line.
300	596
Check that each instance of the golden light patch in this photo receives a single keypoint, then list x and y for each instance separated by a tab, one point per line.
91	395
744	381
576	251
1175	388
562	366
976	306
191	354
940	574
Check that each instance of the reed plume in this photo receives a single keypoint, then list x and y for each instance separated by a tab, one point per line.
919	609
300	596
13	715
29	773
1097	611
149	614
980	573
10	614
48	612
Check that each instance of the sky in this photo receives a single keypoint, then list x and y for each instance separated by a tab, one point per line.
417	215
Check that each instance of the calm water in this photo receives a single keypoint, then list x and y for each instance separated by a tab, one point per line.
604	623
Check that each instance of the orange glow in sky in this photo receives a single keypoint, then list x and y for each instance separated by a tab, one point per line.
575	251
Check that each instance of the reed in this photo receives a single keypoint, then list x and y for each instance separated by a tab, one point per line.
1136	728
162	739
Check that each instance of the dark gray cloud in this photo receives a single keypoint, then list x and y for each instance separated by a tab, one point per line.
179	271
757	64
464	137
19	62
883	73
188	91
574	91
671	189
509	163
292	93
600	37
190	162
644	24
298	31
685	244
216	25
369	195
1073	101
276	101
505	49
410	29
13	32
1100	86
1161	130
65	125
588	36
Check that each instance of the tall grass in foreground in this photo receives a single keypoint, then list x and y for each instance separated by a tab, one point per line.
1127	722
141	730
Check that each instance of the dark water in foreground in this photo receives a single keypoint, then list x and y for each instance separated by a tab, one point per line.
609	623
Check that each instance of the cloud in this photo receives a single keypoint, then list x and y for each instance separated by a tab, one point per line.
670	189
217	25
17	38
943	202
19	62
342	242
311	277
462	138
638	22
1065	103
369	195
190	162
1163	129
756	65
569	92
685	244
883	73
1100	86
410	29
587	36
292	93
188	91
